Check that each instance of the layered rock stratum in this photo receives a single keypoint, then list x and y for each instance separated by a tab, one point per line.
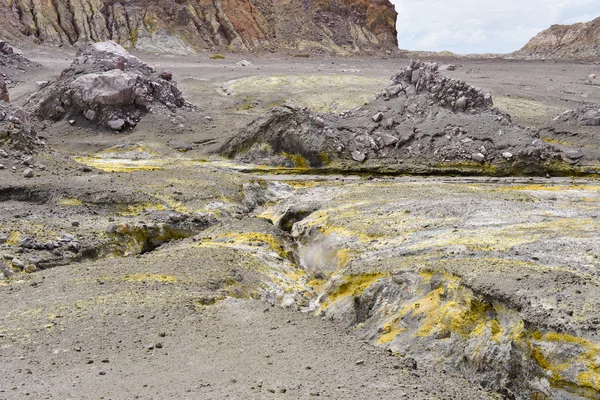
581	40
339	26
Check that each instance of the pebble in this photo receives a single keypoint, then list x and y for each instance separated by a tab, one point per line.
18	263
360	362
28	173
378	117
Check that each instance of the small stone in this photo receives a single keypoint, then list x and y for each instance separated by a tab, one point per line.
477	157
574	155
86	168
507	155
116	124
389	140
90	115
18	263
28	173
74	247
159	345
3	154
378	117
67	237
244	63
102	373
111	228
41	84
320	122
166	75
2	166
461	103
75	223
30	268
359	156
487	100
360	362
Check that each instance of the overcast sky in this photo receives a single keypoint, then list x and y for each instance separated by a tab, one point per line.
483	26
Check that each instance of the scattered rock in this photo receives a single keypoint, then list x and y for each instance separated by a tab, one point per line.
358	156
90	115
478	157
28	173
41	84
116	124
448	67
166	75
378	117
18	263
244	63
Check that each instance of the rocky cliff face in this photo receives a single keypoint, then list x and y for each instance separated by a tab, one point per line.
580	40
184	26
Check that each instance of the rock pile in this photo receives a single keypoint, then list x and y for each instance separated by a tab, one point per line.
107	86
18	141
423	122
586	115
420	76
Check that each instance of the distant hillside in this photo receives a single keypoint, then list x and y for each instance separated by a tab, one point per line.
580	40
185	26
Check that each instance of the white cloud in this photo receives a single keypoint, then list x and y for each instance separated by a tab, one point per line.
489	26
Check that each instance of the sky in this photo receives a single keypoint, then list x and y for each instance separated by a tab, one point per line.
483	26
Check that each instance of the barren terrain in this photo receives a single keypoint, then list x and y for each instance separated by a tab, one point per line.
195	276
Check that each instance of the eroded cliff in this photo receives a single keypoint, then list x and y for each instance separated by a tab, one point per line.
338	26
580	40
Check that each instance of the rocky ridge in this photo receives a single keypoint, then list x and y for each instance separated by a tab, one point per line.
187	26
581	40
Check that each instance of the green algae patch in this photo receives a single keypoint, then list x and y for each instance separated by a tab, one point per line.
351	286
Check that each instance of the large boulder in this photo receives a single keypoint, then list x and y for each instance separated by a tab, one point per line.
105	84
